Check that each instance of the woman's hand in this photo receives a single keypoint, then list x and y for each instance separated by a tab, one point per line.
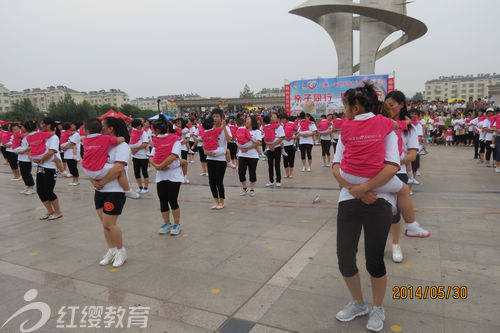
243	150
210	153
98	186
369	198
358	191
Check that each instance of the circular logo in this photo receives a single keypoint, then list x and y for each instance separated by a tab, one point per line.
108	206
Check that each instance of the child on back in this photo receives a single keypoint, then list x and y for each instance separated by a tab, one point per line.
95	157
244	138
210	136
37	142
363	136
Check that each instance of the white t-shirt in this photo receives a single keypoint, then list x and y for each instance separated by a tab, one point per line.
118	153
51	144
327	137
143	153
252	153
309	140
488	136
200	139
173	174
482	133
23	157
192	133
410	142
9	149
68	154
391	155
184	136
420	129
222	144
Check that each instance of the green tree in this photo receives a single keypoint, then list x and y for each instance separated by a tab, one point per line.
102	109
131	110
418	97
23	111
84	110
246	93
63	110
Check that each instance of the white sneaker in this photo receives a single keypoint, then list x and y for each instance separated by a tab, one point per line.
138	190
231	165
133	195
74	184
397	254
23	192
411	192
176	229
351	311
415	230
251	193
203	174
418	174
120	257
269	184
186	181
278	184
303	169
308	169
497	169
284	153
15	179
30	192
376	321
243	192
410	181
108	257
415	182
144	190
165	229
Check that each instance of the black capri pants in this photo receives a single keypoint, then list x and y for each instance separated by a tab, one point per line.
325	147
73	169
251	164
334	144
25	168
489	151
140	165
289	161
184	155
274	164
45	183
168	192
375	220
306	148
233	149
4	151
203	156
415	165
482	146
216	172
12	159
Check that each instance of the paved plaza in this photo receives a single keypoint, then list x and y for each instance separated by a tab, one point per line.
265	264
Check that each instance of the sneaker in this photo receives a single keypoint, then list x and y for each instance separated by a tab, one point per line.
138	190
411	192
351	311
203	174
303	169
74	184
186	181
269	184
251	193
416	182
54	217
231	165
376	320
176	229
284	153
418	174
144	190
243	192
415	230
190	152
30	192
133	195
308	169
120	257
23	192
15	179
165	229
410	182
397	254
108	257
45	217
492	146
497	169
278	184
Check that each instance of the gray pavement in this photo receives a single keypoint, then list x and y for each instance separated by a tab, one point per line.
265	264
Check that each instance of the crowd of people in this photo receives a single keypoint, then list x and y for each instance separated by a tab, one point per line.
375	159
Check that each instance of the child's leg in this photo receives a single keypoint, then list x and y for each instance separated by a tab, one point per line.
405	204
184	166
123	181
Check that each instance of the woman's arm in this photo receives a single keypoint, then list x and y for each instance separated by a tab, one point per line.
336	173
380	179
67	146
166	162
113	173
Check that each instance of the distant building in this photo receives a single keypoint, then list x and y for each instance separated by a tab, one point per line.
115	97
4	99
448	87
270	92
151	103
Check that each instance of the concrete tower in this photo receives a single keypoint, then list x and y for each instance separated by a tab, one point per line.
376	21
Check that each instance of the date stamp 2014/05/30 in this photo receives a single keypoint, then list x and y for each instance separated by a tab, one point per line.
429	292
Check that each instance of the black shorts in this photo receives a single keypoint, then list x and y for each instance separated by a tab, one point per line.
111	202
12	159
404	178
184	155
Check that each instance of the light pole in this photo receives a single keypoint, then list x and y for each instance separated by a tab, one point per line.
158	101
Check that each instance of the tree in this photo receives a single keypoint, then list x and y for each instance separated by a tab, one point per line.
84	110
63	110
246	93
418	97
102	109
23	111
131	110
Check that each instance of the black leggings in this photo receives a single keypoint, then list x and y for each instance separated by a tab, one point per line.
334	144
216	172
274	164
325	147
376	221
45	183
73	170
140	164
306	148
203	157
25	168
12	158
476	145
4	152
489	150
289	161
482	146
233	149
415	165
184	155
251	163
168	192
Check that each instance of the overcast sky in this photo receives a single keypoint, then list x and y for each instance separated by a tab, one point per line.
159	47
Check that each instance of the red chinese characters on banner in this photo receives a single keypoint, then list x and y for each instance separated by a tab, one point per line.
288	108
390	84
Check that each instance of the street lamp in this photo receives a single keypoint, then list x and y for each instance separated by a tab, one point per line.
158	101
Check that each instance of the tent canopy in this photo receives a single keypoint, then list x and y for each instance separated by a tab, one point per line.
157	116
114	114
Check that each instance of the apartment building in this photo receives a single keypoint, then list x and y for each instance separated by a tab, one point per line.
460	86
4	99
